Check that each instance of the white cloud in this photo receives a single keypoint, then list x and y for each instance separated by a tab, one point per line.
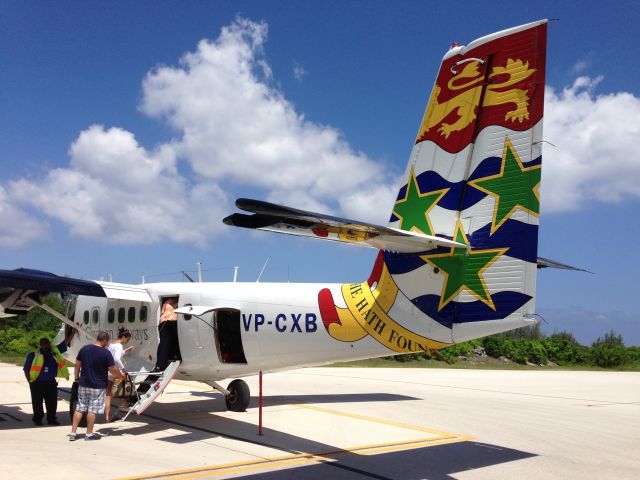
18	226
596	155
118	192
233	128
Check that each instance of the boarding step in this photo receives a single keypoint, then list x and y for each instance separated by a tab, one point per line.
151	388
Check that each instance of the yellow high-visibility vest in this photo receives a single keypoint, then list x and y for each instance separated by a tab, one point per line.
38	361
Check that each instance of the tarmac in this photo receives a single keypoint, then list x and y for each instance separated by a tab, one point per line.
349	423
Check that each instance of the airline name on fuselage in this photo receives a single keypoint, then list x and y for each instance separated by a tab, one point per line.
282	322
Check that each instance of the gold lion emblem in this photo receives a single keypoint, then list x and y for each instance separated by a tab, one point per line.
465	104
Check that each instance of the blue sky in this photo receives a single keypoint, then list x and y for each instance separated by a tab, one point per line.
349	80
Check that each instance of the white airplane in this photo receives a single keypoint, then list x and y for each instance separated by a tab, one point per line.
457	260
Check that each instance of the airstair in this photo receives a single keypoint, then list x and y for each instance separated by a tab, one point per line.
150	387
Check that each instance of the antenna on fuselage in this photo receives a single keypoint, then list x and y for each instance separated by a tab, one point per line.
187	275
235	273
262	271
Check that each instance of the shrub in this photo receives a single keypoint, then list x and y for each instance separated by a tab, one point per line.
609	351
562	348
536	352
498	346
464	349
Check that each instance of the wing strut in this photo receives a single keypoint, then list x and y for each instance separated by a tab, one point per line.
30	301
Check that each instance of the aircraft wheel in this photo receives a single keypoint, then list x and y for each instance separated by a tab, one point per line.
239	396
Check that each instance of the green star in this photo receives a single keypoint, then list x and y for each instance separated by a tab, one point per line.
463	270
413	209
516	186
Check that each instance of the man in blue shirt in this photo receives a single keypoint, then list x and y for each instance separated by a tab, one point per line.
92	364
42	381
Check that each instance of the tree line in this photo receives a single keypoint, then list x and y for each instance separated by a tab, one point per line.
529	345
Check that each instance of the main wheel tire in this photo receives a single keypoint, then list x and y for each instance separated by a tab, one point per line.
239	396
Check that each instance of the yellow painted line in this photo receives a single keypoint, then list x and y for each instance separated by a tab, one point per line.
298	459
383	421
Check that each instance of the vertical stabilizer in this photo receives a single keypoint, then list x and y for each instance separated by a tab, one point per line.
474	176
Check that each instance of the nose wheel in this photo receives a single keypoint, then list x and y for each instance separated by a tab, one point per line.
239	396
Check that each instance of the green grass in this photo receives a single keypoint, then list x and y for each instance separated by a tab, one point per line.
12	358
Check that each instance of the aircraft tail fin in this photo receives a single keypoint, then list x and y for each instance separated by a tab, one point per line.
473	176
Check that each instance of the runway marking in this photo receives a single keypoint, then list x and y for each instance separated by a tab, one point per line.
393	423
440	438
298	459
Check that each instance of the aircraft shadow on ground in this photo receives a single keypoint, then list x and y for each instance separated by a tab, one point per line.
276	400
438	462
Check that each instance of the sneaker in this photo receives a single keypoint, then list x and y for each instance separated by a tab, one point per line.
72	437
93	436
37	422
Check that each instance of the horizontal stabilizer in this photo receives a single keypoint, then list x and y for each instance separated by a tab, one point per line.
546	263
280	219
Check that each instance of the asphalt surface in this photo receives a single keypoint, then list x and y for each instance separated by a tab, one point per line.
319	423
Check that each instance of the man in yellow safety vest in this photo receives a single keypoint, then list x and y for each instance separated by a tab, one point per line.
41	369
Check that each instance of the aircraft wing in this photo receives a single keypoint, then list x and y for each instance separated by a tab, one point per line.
22	289
280	219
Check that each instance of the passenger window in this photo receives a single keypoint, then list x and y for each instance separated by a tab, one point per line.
121	314
131	316
111	316
95	315
143	313
85	317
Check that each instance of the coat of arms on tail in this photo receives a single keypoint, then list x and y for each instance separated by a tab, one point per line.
473	177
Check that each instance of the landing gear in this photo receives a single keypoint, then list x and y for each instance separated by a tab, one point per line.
239	396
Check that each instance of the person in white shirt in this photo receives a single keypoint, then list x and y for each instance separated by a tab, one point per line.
118	351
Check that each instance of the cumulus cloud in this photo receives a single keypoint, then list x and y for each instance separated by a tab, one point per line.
233	128
118	192
596	155
18	226
236	126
